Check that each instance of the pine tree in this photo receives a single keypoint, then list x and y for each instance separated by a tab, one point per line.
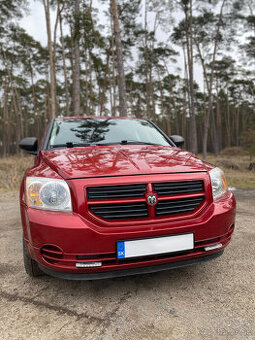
120	63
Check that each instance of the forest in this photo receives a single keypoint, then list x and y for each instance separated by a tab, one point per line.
187	65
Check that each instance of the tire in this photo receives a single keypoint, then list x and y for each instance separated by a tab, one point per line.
31	266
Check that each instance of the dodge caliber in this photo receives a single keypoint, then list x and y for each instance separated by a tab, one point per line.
112	197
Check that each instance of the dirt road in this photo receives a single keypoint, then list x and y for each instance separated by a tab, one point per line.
215	300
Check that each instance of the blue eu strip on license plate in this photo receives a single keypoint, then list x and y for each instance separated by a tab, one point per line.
121	250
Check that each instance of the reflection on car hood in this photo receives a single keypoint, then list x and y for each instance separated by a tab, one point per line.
101	161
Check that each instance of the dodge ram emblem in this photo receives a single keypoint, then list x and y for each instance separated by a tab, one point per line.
152	200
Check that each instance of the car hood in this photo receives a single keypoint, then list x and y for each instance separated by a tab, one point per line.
102	161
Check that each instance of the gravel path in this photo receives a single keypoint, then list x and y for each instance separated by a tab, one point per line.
215	300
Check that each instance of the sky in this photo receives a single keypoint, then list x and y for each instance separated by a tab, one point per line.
34	23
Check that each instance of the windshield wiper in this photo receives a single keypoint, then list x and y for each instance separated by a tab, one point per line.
70	145
128	142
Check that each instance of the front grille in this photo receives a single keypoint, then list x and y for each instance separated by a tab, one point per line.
180	206
178	188
116	192
127	202
120	211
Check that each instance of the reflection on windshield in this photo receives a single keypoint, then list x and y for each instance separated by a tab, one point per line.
92	130
104	131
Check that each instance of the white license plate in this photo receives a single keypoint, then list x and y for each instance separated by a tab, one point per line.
154	246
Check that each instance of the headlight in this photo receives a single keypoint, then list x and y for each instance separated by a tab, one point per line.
48	194
219	183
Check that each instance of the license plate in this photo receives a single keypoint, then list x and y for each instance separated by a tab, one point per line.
154	246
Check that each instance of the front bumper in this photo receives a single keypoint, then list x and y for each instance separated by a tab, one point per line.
129	272
82	241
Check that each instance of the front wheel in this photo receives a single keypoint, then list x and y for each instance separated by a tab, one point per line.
31	266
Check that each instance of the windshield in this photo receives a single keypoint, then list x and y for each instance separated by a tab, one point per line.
93	131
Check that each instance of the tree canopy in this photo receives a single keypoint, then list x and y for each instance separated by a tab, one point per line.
188	65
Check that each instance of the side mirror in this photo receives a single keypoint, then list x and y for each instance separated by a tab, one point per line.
178	140
30	145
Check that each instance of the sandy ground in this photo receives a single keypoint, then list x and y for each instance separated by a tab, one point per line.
215	300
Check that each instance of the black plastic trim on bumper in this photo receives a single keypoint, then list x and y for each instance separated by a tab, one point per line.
128	272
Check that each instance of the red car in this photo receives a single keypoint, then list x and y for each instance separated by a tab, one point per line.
112	197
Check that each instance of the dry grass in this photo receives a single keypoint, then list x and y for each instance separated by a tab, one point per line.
234	161
12	170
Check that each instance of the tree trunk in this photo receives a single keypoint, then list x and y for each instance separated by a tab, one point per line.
5	122
91	94
103	93
71	59
86	82
237	126
64	67
76	78
161	96
228	128
151	90
184	115
193	127
215	136
113	78
15	100
219	122
189	41
146	56
120	63
186	97
168	122
210	106
36	111
47	98
46	4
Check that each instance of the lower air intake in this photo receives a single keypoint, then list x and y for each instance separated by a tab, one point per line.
51	254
